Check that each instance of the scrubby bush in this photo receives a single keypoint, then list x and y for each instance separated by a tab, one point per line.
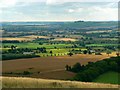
26	73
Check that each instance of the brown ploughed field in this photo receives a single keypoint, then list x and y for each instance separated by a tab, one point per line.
48	67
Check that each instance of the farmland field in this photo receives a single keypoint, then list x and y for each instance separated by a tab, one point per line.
109	77
46	50
18	39
10	82
50	44
102	45
64	39
49	67
35	45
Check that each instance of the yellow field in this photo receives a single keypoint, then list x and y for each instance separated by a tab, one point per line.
25	38
35	36
17	39
21	82
64	39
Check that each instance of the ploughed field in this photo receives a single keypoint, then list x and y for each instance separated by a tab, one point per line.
47	67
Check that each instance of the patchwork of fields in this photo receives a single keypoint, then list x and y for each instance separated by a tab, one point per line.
48	67
45	49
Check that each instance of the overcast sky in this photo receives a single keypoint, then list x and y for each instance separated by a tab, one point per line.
54	10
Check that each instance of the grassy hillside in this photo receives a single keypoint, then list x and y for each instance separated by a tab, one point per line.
19	82
106	78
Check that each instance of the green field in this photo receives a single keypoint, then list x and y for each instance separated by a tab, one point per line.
108	77
35	45
101	45
57	49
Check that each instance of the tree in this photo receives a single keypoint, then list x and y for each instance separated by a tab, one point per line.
51	53
26	73
77	67
40	43
108	52
85	51
113	66
89	52
68	68
70	54
118	54
13	47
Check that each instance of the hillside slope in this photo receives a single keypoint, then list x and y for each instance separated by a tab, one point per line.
20	82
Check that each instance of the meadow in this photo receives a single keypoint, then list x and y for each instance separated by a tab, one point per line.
35	45
108	77
10	82
102	45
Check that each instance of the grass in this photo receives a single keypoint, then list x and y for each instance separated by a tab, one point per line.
101	45
35	45
21	82
108	77
57	52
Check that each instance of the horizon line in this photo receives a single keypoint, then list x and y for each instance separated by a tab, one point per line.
66	21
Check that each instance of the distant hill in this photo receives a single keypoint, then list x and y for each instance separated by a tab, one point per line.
31	23
77	25
19	82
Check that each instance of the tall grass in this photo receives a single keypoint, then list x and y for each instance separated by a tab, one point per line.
21	82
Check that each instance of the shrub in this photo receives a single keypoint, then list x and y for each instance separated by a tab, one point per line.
26	73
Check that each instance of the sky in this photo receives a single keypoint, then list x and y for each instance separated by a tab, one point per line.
58	10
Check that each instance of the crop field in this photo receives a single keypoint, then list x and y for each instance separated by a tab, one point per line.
109	77
64	39
24	38
10	82
18	39
35	45
53	50
48	67
35	36
102	45
58	52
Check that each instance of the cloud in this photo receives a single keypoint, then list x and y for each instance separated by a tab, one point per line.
7	3
15	16
50	10
75	10
98	14
53	2
12	3
70	10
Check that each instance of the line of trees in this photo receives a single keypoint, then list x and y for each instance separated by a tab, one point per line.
92	70
17	56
